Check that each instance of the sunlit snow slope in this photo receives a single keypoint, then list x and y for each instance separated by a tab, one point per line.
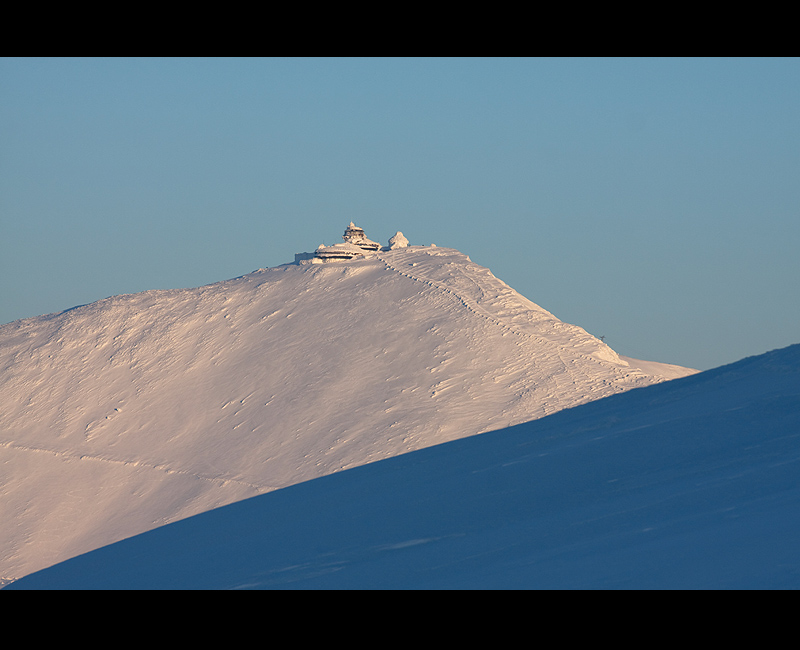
138	410
687	484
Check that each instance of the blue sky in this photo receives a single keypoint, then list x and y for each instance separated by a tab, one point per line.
655	202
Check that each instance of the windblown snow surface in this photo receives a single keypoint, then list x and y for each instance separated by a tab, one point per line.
139	410
688	484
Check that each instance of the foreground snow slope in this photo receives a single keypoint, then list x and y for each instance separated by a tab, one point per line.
688	484
139	410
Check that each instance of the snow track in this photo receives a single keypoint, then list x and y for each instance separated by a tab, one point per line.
136	464
473	306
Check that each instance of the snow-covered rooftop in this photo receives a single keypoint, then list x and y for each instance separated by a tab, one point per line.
339	251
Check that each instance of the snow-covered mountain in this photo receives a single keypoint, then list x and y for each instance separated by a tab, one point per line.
139	410
688	484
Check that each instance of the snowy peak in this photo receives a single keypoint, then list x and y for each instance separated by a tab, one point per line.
138	410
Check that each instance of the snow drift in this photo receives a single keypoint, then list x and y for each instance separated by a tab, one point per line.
139	410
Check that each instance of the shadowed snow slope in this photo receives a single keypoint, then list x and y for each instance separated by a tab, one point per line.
139	410
689	484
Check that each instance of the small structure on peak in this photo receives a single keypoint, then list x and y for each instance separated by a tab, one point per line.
355	235
398	241
355	245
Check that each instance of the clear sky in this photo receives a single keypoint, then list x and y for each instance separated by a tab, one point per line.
655	202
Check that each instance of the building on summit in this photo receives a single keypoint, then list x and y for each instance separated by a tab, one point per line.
355	245
355	235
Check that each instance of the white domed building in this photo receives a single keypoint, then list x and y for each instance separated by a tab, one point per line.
355	235
355	244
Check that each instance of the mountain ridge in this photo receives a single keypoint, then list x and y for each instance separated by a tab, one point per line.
141	409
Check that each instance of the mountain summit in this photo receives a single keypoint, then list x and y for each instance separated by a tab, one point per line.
138	410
